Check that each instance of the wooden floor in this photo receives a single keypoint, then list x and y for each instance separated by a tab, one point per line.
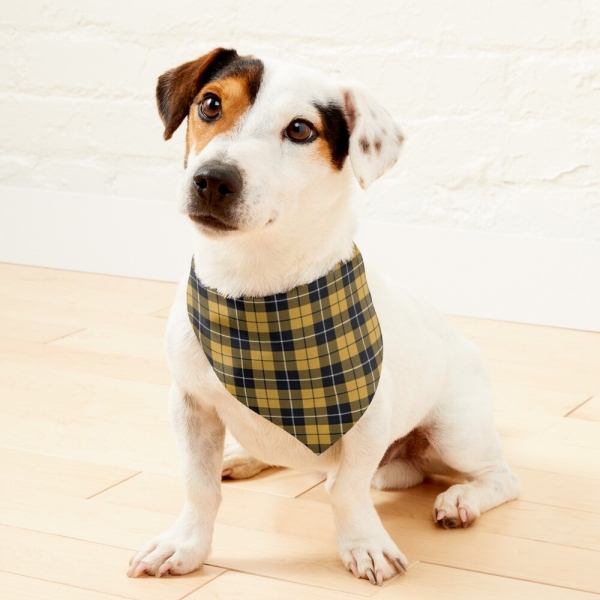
89	470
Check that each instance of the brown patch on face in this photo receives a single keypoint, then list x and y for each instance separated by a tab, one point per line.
177	88
334	137
365	145
236	99
411	447
377	145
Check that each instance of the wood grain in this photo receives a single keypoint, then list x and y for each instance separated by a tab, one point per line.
89	470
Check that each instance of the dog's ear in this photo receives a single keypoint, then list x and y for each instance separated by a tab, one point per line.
177	88
375	138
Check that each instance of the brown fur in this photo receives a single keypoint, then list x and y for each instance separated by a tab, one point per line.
177	88
411	447
350	111
235	101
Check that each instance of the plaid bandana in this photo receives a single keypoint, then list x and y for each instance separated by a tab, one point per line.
308	360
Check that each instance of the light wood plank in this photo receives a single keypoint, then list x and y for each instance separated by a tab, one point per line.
163	493
49	473
310	557
481	548
282	482
524	411
33	331
551	456
280	556
250	587
240	507
79	361
86	520
82	413
555	489
122	443
95	418
87	565
573	432
78	398
72	288
522	519
163	313
296	558
18	587
590	411
521	337
426	581
564	526
99	395
556	359
122	341
78	316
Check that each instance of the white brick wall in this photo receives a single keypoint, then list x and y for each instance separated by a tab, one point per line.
500	99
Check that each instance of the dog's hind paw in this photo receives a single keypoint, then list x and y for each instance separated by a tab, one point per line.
456	507
238	464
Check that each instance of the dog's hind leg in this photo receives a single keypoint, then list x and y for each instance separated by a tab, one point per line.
468	442
398	474
238	464
400	466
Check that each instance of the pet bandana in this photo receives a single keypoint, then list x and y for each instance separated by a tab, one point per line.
308	360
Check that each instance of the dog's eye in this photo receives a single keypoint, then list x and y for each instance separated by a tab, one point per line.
210	108
299	130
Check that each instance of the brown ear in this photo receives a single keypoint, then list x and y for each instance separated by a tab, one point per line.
177	88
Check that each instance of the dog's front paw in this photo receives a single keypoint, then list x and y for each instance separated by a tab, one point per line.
172	553
238	464
372	559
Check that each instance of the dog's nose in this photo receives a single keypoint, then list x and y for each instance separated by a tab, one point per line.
216	181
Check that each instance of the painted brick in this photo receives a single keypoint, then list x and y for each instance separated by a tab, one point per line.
498	99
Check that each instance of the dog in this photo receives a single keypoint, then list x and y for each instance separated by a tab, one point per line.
271	150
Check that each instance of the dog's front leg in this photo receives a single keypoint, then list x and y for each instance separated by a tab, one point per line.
184	547
364	545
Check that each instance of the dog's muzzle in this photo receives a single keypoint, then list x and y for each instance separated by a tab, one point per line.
216	187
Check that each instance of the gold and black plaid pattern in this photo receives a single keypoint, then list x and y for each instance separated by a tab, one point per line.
308	360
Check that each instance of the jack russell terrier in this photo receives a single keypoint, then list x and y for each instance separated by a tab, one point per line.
280	334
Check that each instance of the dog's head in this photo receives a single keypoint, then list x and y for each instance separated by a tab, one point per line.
266	139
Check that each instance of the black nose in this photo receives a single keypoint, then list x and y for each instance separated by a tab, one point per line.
216	182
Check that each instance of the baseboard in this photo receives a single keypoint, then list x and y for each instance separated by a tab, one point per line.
531	280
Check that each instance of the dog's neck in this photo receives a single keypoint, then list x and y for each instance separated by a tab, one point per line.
297	250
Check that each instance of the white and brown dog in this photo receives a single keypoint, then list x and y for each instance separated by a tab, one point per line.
266	186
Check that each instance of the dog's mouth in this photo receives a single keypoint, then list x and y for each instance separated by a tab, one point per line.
212	222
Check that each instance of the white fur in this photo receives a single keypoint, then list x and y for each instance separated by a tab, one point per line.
295	225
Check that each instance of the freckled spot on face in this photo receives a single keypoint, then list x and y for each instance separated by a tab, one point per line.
400	138
365	145
377	145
